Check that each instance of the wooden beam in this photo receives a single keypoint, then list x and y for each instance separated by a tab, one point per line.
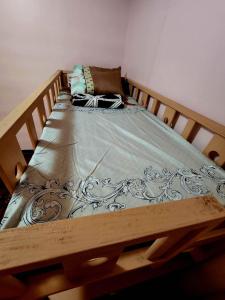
86	234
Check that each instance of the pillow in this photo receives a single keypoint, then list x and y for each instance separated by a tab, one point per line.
103	81
107	81
77	81
103	101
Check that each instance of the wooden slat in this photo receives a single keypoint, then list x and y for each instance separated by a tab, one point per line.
41	112
155	106
190	131
60	82
32	131
48	102
51	97
145	100
170	116
11	159
190	114
77	236
15	119
163	249
216	147
53	93
211	236
131	89
132	268
57	86
136	94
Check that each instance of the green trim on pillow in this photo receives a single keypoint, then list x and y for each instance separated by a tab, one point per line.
77	80
89	81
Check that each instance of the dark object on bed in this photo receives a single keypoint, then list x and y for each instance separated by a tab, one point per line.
107	81
103	101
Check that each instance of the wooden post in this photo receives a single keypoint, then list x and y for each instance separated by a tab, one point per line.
32	131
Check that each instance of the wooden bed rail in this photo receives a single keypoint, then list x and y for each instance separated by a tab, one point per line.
12	162
215	150
93	248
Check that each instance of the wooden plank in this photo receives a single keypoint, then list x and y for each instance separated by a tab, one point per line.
191	130
170	116
51	97
41	112
215	150
12	162
32	131
155	106
131	89
145	100
136	94
57	86
70	237
132	267
163	249
53	93
15	119
190	114
48	102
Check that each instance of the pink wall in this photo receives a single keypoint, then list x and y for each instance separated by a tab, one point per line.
177	47
39	36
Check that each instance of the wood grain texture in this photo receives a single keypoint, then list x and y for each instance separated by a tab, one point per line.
216	150
155	106
12	162
32	131
190	130
190	114
16	118
170	116
86	234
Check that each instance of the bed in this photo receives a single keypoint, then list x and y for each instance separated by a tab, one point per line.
126	193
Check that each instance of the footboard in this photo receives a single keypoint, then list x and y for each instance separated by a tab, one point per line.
98	251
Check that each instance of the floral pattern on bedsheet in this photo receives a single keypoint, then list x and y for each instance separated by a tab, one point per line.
46	201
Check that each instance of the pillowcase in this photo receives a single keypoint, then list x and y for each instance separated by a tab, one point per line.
77	81
103	101
103	81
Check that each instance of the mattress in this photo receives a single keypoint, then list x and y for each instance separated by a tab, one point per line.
91	161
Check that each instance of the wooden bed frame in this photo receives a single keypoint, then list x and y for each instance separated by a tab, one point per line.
106	252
